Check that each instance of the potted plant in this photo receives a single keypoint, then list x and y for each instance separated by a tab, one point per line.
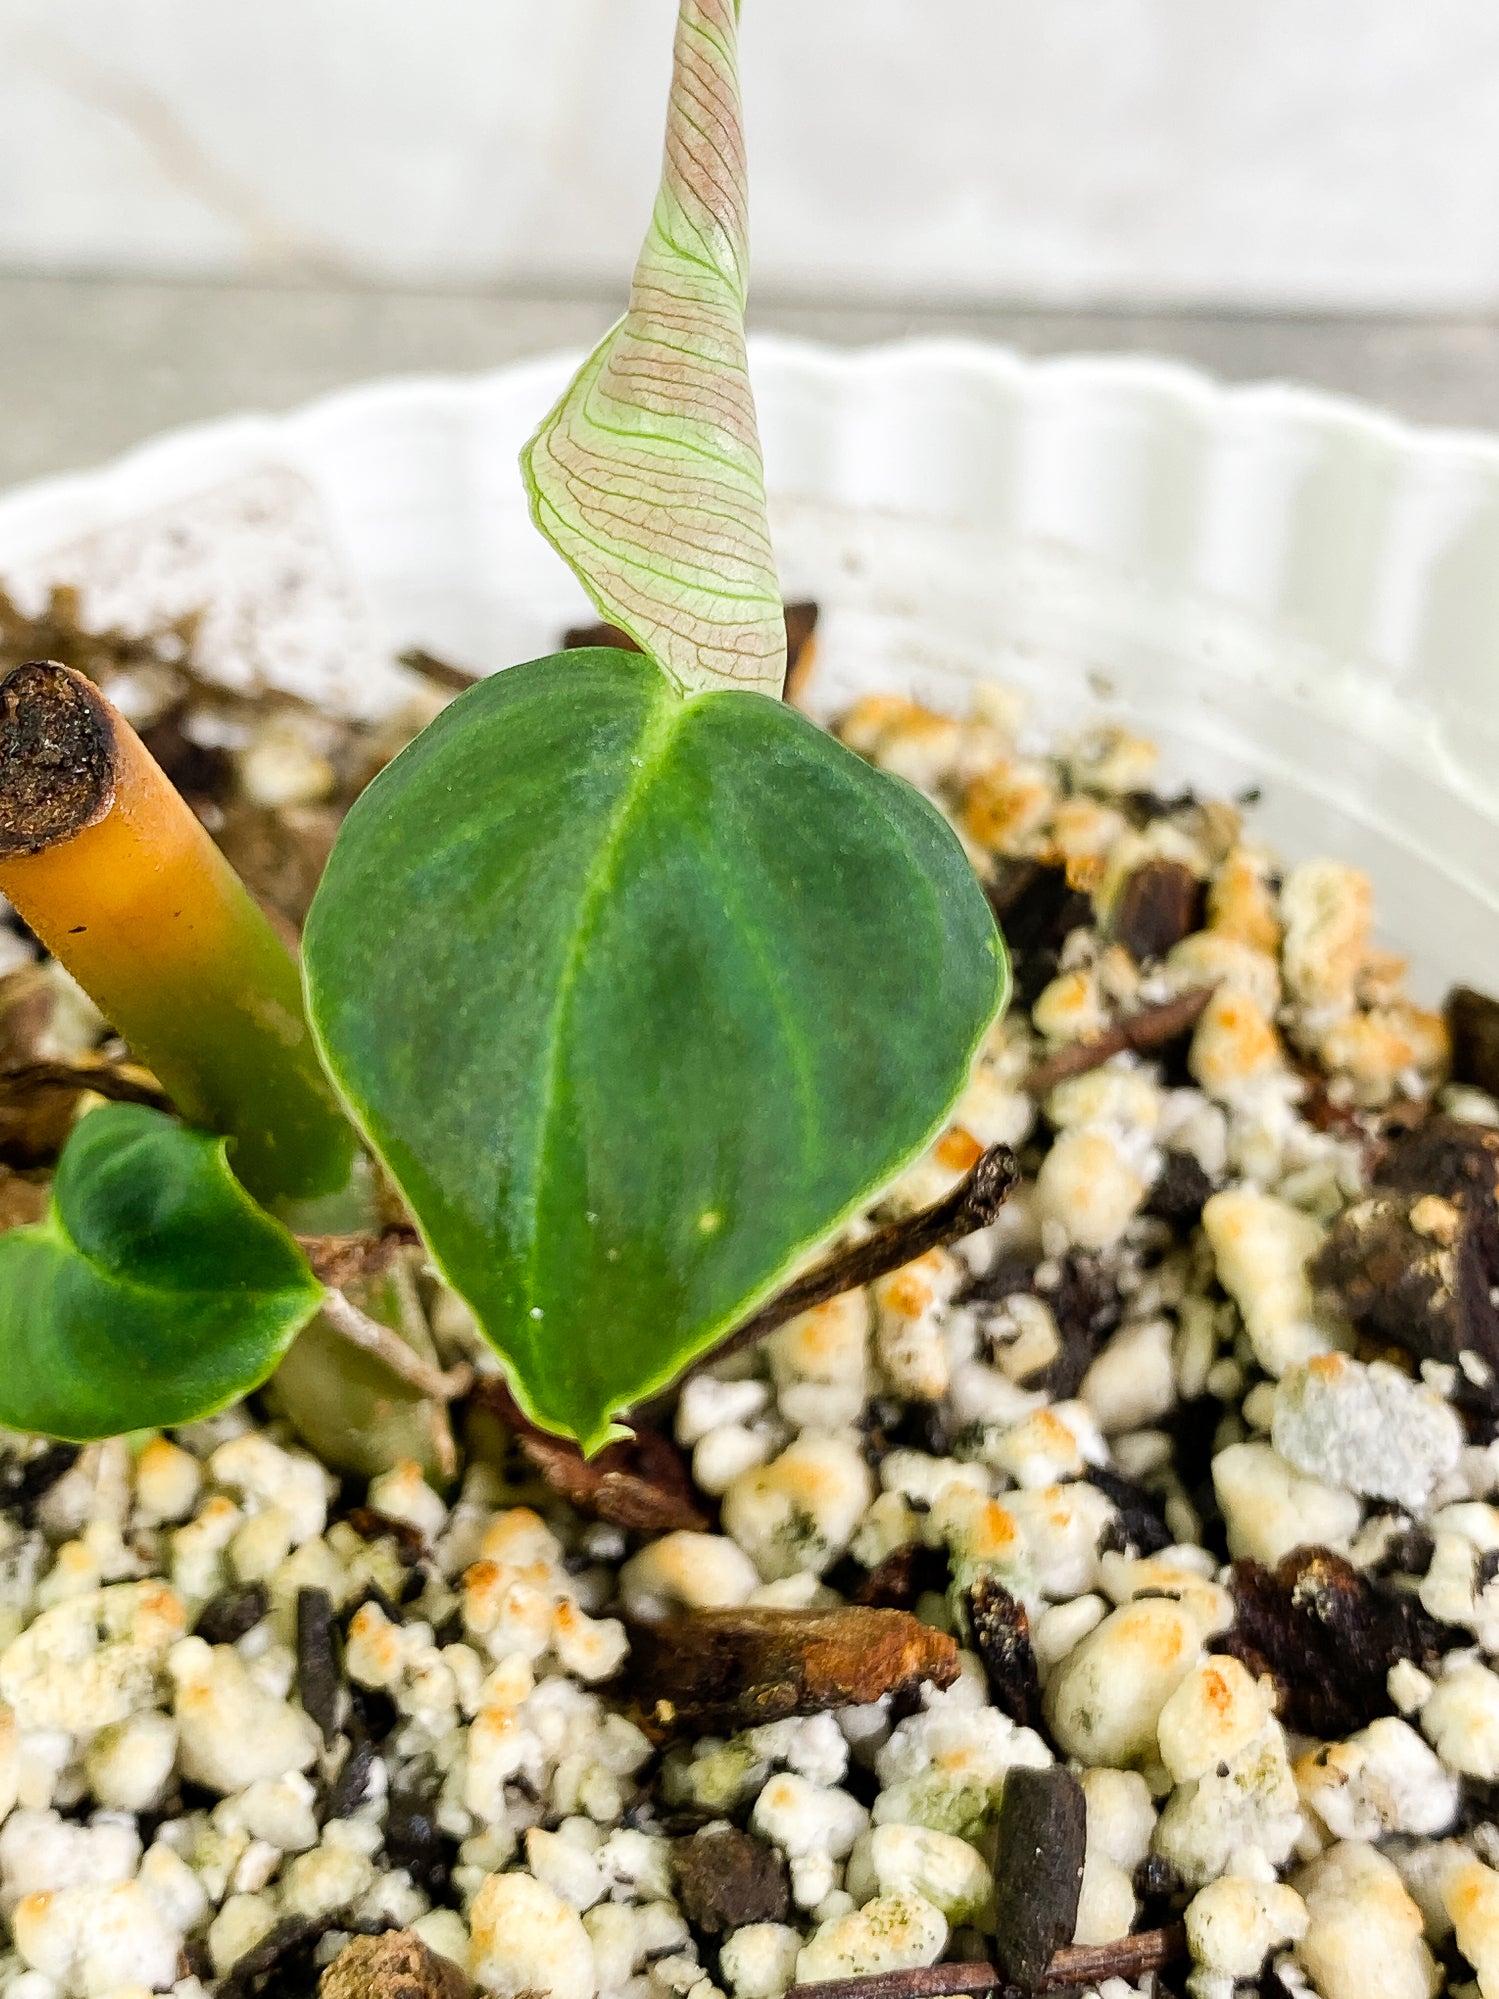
635	984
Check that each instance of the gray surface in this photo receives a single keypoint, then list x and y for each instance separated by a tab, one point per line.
88	367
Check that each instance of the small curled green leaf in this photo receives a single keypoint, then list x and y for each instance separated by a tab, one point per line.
153	1291
647	476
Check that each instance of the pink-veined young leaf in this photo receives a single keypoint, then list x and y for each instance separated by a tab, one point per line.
647	475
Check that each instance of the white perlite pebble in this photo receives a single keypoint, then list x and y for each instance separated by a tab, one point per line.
684	1570
910	1314
404	1494
1211	1718
624	1939
168	1480
941	1869
1133	1381
281	1810
706	1404
230	1730
128	1764
1270	1507
1460	1718
1234	1923
92	1660
526	1939
443	1931
797	1514
238	1927
1470	1895
1121	1820
721	1455
1089	1187
264	1476
1105	1699
1121	1816
819	1362
173	1887
802	1818
891	1933
1449	1589
91	1941
1371	1429
759	1961
565	1867
1382	1780
1363	1937
41	1853
1327	908
329	1878
1234	1788
812	1745
1262	1247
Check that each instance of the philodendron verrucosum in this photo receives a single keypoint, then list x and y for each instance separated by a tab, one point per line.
637	982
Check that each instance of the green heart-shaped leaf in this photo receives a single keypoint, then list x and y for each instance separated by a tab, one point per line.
153	1291
638	997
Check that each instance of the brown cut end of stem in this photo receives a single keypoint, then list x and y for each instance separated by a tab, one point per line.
57	757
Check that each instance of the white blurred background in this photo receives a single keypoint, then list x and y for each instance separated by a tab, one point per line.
217	204
1328	154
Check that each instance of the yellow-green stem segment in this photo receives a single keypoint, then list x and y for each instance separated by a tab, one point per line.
116	876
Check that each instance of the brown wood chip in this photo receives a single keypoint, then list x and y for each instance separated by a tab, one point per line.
1473	1023
801	650
1002	1638
1416	1263
372	1525
28	1000
726	1879
731	1669
1327	1635
1160	903
397	1965
1146	1032
1039	1841
897	1582
22	1201
643	1485
279	853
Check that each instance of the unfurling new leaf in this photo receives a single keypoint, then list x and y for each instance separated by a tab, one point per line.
152	1292
647	477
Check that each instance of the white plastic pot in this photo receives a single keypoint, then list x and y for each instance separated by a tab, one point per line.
1285	590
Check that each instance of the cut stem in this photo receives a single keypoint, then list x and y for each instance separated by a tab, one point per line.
110	868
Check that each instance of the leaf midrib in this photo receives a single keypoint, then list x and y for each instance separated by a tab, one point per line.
652	746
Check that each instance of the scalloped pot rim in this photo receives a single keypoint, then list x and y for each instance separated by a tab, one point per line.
1287	589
